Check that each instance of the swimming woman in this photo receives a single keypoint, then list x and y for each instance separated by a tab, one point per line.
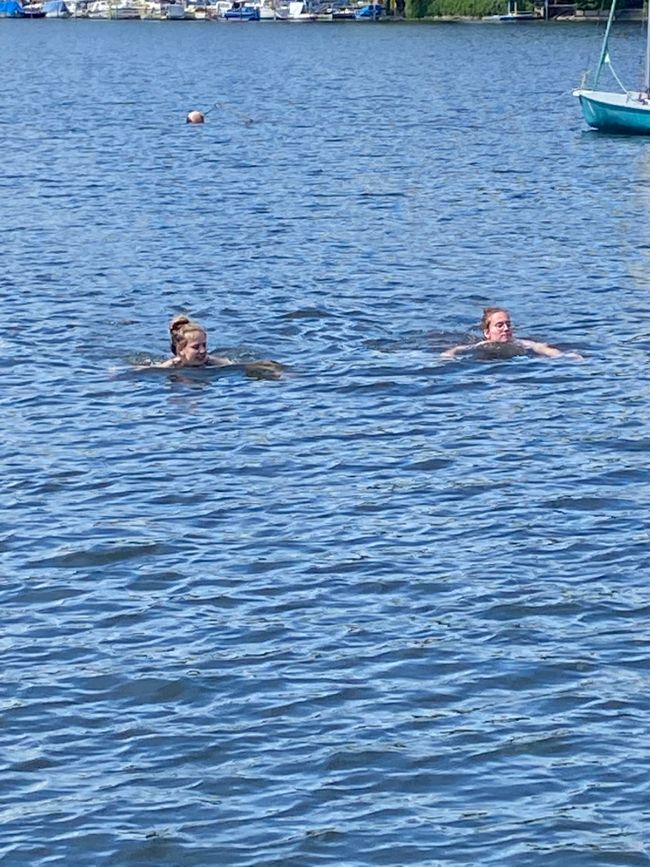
501	342
189	346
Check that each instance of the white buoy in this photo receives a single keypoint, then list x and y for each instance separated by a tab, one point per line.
195	117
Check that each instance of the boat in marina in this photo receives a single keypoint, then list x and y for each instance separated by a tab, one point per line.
200	10
299	11
513	15
627	111
342	12
370	12
163	10
242	12
11	9
78	8
121	10
33	10
271	10
56	9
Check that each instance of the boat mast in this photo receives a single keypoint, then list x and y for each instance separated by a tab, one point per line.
603	50
646	79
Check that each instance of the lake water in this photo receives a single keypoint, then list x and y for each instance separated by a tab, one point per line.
389	609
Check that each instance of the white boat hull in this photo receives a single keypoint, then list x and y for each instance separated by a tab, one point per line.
269	13
105	9
512	18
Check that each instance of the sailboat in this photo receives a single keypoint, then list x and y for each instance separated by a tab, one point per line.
628	111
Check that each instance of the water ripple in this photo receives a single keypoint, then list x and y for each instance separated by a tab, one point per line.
391	608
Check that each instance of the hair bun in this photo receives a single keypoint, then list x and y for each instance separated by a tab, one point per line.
179	328
178	322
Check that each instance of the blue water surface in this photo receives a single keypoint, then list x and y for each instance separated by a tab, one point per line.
389	609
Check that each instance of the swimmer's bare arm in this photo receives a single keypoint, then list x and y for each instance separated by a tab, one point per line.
548	351
459	350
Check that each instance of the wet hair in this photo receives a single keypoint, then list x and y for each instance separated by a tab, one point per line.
488	313
179	330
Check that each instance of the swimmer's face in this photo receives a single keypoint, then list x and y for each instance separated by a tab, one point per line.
195	350
499	327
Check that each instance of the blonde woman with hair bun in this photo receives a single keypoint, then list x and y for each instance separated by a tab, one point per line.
189	346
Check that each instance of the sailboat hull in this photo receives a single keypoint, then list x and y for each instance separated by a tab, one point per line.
615	112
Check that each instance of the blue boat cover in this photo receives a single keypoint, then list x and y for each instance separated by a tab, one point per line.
10	9
55	6
243	13
371	10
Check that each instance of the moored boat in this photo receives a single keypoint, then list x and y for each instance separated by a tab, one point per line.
11	9
513	15
33	10
163	10
56	9
242	12
270	10
199	10
370	12
299	11
342	13
124	11
627	112
78	8
174	11
121	10
610	111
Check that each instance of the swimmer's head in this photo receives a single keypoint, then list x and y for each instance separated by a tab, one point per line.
188	341
496	325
